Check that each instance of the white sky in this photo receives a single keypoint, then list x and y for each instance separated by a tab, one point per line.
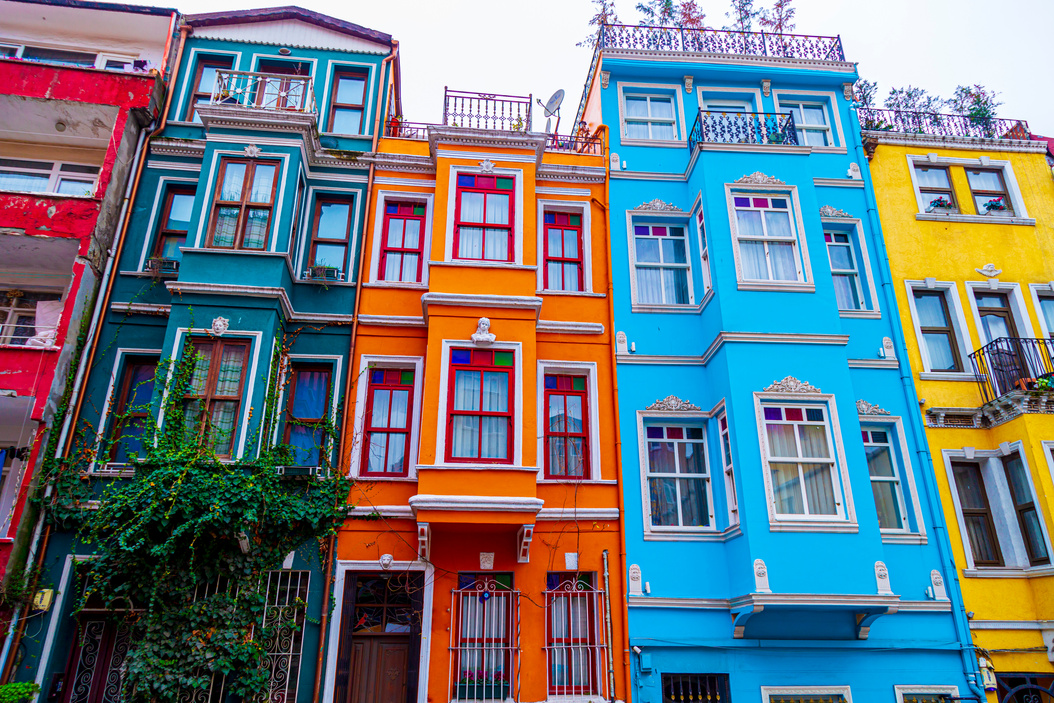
528	46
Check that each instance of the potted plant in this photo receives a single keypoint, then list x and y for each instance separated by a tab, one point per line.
994	205
482	685
940	203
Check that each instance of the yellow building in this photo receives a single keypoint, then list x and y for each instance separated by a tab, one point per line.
966	209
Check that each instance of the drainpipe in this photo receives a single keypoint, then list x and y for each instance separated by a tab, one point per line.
328	586
918	432
607	617
40	543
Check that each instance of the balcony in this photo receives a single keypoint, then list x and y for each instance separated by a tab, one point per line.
510	113
271	92
742	128
941	125
715	41
1014	365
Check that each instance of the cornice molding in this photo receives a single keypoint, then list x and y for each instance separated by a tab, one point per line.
712	58
521	302
177	147
273	292
760	179
672	403
865	408
469	136
976	143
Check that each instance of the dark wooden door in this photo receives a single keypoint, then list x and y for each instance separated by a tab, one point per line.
379	670
95	671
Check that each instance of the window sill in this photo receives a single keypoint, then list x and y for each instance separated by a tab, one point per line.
393	284
25	347
485	264
810	526
1008	572
675	309
786	287
701	536
758	148
666	143
829	150
903	538
861	314
977	219
965	376
571	293
479	467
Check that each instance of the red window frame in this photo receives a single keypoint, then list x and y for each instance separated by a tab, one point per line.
391	380
487	185
562	588
406	211
481	361
563	222
564	386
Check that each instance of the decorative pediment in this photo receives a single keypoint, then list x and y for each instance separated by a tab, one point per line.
865	408
791	385
487	166
989	271
672	403
760	179
828	211
660	206
252	151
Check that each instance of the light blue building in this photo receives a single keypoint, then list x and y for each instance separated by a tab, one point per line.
244	238
782	521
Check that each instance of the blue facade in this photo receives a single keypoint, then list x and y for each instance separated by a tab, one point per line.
244	237
781	517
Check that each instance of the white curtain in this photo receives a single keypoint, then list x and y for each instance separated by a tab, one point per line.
787	489
393	264
784	267
819	489
752	258
471	207
497	209
399	403
381	406
409	274
470	243
466	390
649	285
781	440
495	438
464	441
395	232
412	234
813	442
45	323
497	246
675	284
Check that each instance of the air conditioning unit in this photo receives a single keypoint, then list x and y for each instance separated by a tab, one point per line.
299	470
323	274
162	267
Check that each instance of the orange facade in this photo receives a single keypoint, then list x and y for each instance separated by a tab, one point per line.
485	455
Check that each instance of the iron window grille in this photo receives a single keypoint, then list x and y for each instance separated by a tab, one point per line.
574	642
694	688
485	637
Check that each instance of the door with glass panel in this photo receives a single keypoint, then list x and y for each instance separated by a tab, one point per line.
276	92
727	121
1006	356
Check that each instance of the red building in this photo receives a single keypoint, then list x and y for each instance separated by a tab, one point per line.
80	83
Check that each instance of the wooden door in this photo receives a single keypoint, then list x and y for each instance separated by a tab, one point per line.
379	670
95	671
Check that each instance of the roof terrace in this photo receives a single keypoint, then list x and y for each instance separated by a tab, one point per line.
936	124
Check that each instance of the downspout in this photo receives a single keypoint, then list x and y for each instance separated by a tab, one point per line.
80	380
344	435
918	432
607	617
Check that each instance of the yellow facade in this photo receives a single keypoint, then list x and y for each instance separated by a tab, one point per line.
993	271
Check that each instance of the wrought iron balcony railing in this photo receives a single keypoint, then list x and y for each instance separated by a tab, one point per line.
1014	364
941	125
717	41
742	128
264	91
399	129
575	143
487	111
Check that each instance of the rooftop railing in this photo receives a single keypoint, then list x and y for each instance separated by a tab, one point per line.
941	125
742	128
575	144
264	91
719	41
487	111
1013	364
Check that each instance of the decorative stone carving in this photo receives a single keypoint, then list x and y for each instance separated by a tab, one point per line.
854	168
659	206
605	78
989	271
635	588
882	579
220	325
386	561
486	561
672	403
483	337
937	584
252	151
766	87
865	408
761	577
615	164
888	350
621	343
847	91
760	179
487	166
424	540
829	211
791	385
571	561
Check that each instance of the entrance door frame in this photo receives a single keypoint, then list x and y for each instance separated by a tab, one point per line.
353	567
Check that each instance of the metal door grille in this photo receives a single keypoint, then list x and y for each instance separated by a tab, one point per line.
484	641
574	638
285	613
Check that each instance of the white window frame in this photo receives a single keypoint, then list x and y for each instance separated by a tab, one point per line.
829	101
665	90
902	691
805	282
517	219
703	241
958	321
55	175
572	368
646	418
383	196
1038	291
366	361
728	466
1004	514
767	692
1014	298
905	472
854	227
655	218
574	207
845	519
1017	202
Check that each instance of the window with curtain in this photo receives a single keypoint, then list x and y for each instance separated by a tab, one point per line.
801	461
660	257
483	218
678	477
650	117
936	330
306	410
347	102
402	242
988	188
845	270
977	514
730	476
175	222
572	645
131	409
1024	504
563	251
389	417
768	242
883	467
480	406
25	176
566	439
483	653
333	228
935	187
242	204
29	318
810	122
214	394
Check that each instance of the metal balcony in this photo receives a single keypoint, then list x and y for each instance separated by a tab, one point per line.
264	91
1011	364
742	128
941	125
511	113
716	41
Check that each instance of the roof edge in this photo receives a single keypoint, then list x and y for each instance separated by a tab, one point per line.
273	14
105	6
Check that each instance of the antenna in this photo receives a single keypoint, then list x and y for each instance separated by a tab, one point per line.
552	107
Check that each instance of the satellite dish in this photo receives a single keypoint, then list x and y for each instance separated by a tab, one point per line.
553	103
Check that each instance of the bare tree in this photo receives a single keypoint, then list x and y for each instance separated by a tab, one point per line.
780	19
605	14
742	15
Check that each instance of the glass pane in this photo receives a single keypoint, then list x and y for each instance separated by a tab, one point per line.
464	440
382	399
350	90
1020	491
330	255
995	326
346	121
557	413
570	244
24	182
663	130
306	443
207	81
816	137
984	180
694	508
228	380
395	233
497	209
496	245
781	440
970	486
841	258
649	285
412	230
778	223
887	505
68	186
311	390
179	212
557	456
845	292
233	180
663	501
495	438
333	220
140	387
787	489
813	114
555	242
940	350
814	441
636	107
753	261
673	251
495	391
263	182
571	277
377	452
575	457
256	222
471	206
409	273
784	261
637	130
819	489
574	413
661	458
662	107
1034	535
675	286
879	461
199	377
396	453
930	311
749	223
221	425
647	250
470	243
932	178
982	541
993	205
466	390
692	458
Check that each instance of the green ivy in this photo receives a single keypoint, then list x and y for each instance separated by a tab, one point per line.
18	692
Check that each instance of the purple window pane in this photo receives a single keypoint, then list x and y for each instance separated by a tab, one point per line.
641	231
654	433
864	433
658	231
773	414
742	202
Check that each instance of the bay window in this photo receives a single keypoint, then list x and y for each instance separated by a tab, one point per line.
767	238
566	438
801	461
402	240
678	478
480	406
214	393
306	409
660	259
883	467
389	416
243	204
483	218
563	251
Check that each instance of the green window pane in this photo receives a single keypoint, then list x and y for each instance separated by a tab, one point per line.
502	358
406	378
578	383
576	220
419	210
504	184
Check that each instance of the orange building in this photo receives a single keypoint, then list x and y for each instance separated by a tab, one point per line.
482	557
